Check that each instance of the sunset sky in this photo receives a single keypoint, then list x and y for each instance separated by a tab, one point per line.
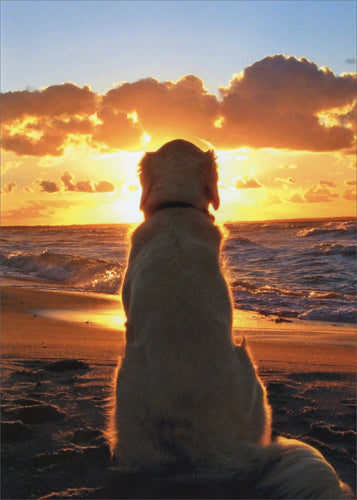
89	86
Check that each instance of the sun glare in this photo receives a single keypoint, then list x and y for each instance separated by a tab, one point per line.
127	206
133	117
145	139
219	122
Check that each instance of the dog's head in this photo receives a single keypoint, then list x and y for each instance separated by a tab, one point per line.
178	172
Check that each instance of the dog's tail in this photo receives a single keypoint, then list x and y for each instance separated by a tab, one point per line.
292	469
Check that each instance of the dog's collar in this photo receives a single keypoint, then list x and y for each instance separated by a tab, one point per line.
183	204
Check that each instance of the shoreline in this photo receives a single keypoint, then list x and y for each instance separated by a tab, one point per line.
245	319
57	385
304	345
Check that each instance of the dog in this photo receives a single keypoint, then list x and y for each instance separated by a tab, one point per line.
187	398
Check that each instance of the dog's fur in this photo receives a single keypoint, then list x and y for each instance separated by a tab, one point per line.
187	398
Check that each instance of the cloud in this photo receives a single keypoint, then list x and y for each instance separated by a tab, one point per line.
104	187
350	60
36	209
116	130
319	195
167	110
10	187
63	100
48	186
327	183
350	194
38	123
67	180
247	183
297	198
316	194
288	181
86	186
278	102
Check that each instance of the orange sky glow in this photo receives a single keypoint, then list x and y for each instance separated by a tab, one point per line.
284	132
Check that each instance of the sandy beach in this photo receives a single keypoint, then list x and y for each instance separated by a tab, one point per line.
59	354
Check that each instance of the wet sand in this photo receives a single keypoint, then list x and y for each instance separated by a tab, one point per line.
57	384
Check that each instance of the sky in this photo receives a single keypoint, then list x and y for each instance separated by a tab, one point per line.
89	86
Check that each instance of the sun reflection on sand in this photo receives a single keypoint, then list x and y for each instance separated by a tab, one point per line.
245	323
113	319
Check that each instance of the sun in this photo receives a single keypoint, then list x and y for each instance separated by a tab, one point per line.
127	206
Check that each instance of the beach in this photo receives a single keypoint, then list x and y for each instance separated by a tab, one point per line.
60	351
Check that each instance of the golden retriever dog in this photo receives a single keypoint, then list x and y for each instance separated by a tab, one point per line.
187	398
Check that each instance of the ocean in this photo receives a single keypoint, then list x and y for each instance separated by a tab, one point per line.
302	269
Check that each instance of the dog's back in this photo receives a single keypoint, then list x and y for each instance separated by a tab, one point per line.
200	393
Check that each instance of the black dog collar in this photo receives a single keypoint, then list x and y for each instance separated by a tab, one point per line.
183	204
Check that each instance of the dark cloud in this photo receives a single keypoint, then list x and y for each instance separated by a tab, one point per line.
50	143
351	60
67	180
104	187
49	186
278	102
86	186
63	100
247	183
116	130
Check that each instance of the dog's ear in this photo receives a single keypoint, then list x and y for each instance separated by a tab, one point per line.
146	178
211	188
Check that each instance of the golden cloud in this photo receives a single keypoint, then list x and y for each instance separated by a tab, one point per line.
10	187
278	102
316	194
36	209
247	183
350	194
69	184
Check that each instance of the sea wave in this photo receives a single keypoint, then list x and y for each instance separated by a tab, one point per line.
335	249
330	229
345	314
87	274
302	304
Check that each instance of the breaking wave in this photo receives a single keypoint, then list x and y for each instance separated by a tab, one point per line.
87	274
